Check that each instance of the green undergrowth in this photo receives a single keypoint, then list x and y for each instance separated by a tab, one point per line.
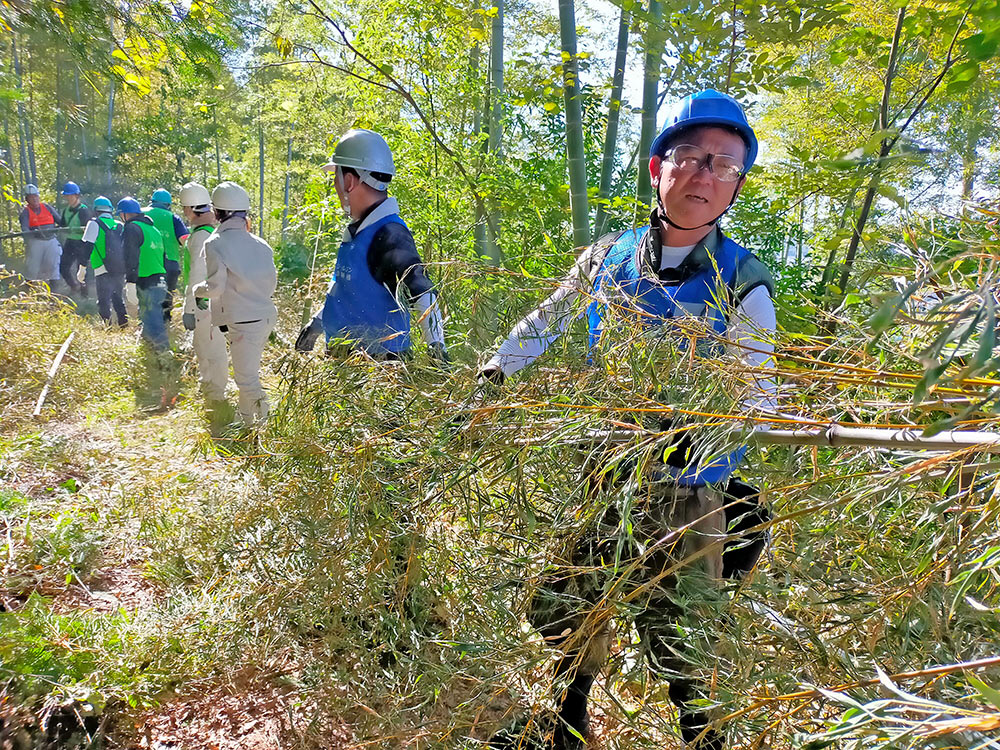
373	547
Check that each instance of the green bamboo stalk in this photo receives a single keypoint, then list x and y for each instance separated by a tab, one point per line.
611	133
574	126
651	79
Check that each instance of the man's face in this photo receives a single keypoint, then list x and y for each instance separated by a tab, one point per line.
34	201
189	213
344	184
692	199
73	200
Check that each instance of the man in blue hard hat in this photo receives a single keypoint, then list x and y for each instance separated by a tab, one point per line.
142	245
74	255
646	282
174	232
102	237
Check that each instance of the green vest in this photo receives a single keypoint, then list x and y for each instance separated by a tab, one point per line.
151	252
99	253
187	256
73	221
163	220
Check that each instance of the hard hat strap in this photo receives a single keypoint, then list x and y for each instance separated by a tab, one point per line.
663	212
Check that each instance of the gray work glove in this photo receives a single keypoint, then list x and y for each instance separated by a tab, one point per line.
309	335
439	354
189	321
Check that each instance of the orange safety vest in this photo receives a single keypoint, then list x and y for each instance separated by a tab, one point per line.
43	218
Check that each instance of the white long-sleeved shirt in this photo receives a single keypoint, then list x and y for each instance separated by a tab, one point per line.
749	331
241	277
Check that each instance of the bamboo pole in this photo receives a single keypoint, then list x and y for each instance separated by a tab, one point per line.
52	374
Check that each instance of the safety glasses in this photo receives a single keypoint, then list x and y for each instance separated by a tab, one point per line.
688	158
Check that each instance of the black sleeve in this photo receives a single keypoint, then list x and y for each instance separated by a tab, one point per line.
85	215
131	244
393	257
23	218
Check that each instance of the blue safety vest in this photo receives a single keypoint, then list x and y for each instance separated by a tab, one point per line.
650	302
358	307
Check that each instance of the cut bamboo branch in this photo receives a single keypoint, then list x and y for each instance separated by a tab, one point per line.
52	374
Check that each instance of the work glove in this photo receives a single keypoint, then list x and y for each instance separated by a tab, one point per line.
202	303
439	354
308	336
189	321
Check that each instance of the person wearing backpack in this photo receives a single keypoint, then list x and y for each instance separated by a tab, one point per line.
661	543
102	242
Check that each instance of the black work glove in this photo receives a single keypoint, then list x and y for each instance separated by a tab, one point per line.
308	336
189	321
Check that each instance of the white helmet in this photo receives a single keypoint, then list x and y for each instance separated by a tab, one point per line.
228	196
364	151
31	190
194	194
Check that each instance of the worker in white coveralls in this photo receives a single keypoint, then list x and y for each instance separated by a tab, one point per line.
209	341
238	290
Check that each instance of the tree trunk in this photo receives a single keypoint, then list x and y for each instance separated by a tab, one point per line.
83	125
260	158
218	157
611	133
22	119
881	125
651	79
575	157
110	132
479	242
288	185
495	146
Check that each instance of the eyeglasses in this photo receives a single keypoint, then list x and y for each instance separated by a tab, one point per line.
688	158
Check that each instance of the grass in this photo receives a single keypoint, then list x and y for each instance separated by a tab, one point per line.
367	555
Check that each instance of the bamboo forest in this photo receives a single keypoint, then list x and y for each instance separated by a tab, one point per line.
500	374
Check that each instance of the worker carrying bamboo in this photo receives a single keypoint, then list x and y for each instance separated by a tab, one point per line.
75	255
379	275
209	341
174	233
238	289
42	251
143	249
102	240
634	283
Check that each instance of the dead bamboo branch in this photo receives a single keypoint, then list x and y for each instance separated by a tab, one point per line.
52	374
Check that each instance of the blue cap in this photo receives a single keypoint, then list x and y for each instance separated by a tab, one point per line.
71	188
161	196
711	108
102	203
129	206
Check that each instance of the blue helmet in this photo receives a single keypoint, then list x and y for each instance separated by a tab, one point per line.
103	204
129	206
71	188
161	196
708	107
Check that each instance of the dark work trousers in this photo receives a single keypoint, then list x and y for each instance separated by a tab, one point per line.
173	269
111	294
666	572
74	255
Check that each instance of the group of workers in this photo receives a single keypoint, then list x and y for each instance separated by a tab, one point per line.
680	265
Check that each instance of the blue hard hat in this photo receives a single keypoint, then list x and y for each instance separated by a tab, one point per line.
129	206
708	107
161	196
102	203
71	188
